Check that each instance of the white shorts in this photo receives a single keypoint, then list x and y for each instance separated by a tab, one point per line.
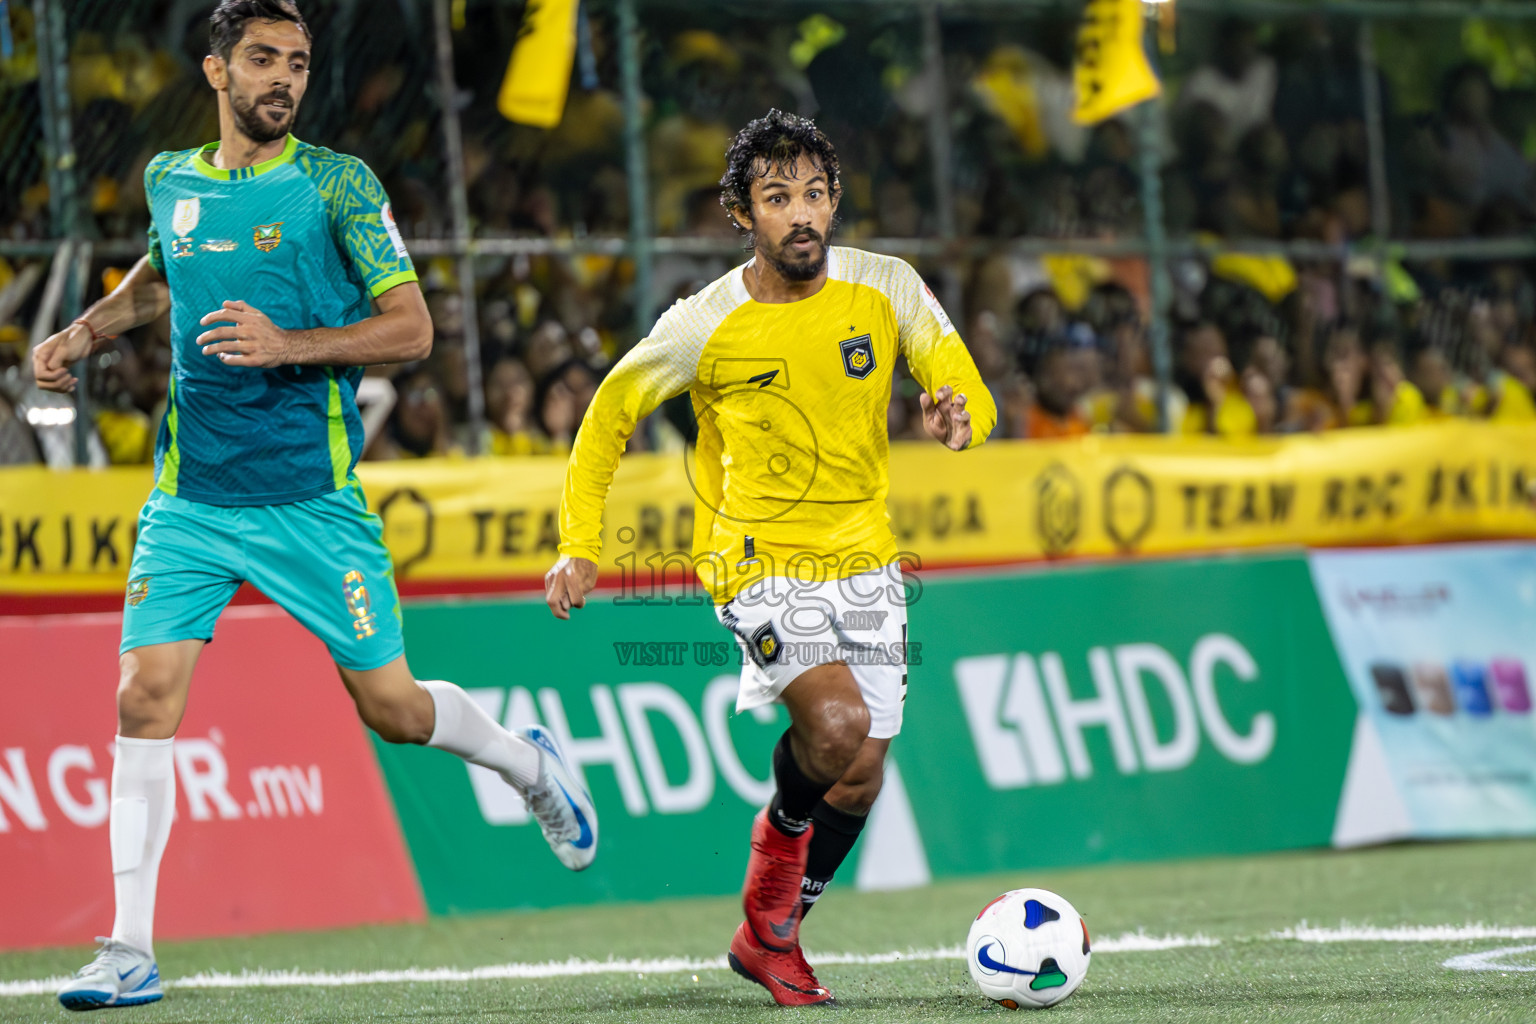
785	626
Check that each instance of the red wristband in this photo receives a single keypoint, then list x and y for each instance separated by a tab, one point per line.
95	335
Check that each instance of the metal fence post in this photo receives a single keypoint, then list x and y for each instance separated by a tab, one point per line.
458	199
1376	154
939	142
74	304
58	137
635	163
941	149
1158	334
52	29
1375	135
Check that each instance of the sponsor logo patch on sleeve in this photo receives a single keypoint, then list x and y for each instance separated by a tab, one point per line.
932	302
388	217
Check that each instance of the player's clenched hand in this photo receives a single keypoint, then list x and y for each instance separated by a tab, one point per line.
567	583
52	359
246	338
945	418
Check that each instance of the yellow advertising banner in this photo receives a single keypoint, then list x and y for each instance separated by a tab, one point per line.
496	519
1111	70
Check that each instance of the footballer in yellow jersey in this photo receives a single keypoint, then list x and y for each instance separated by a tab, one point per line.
788	361
791	468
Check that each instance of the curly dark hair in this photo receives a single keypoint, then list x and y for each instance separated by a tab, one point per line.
226	26
773	144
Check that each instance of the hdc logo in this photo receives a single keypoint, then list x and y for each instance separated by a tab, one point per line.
1021	728
627	716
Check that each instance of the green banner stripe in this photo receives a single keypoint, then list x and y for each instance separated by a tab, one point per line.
1105	713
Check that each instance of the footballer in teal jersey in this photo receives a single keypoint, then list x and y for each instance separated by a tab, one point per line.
284	275
307	238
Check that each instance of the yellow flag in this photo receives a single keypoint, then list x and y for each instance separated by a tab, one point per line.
1111	70
1073	276
539	73
1270	275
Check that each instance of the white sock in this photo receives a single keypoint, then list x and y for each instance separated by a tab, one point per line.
143	802
463	728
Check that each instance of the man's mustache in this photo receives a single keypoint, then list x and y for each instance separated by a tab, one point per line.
806	233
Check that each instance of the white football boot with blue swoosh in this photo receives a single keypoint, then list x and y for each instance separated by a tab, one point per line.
561	804
121	975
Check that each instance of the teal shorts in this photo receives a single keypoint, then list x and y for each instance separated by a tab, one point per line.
323	560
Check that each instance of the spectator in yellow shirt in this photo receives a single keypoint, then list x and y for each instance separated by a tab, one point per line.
1214	402
509	408
1393	400
1131	387
1363	389
561	400
1513	386
1430	372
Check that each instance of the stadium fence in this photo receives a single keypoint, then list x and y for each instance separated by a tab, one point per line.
92	86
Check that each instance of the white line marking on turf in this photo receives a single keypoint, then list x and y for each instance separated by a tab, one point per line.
1488	960
1141	942
1404	933
1132	942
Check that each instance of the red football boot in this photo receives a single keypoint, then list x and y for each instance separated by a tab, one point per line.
786	976
771	895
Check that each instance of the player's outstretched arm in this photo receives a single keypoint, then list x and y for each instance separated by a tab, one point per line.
141	297
958	410
400	332
660	366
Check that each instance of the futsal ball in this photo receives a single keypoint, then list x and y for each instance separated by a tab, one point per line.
1027	949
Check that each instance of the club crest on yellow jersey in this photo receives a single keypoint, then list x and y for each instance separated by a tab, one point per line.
859	357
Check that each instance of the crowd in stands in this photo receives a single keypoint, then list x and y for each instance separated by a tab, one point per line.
1264	135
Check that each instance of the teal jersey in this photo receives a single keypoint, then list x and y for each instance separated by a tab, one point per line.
306	238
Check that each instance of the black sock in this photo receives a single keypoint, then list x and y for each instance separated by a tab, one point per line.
836	832
797	795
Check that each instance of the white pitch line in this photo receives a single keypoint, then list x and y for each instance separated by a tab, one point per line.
1404	933
1488	960
1131	942
1141	942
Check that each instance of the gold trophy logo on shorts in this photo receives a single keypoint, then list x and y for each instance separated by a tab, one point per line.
356	593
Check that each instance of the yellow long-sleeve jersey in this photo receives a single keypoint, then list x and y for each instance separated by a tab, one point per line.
791	469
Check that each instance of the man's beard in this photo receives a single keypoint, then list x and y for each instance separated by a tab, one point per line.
255	125
796	270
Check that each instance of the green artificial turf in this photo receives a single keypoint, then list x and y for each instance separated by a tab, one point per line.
1249	976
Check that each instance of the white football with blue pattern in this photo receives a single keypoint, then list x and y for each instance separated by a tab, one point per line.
1028	949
